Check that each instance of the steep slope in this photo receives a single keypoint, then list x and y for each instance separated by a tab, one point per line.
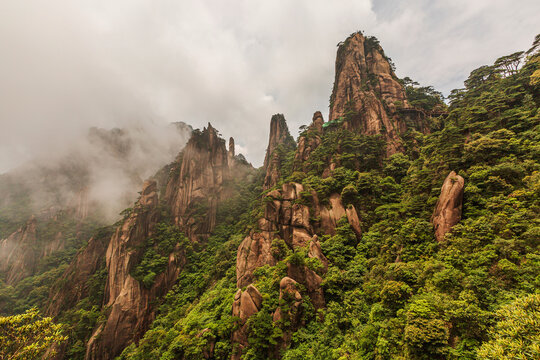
280	142
367	96
129	300
18	258
196	184
146	253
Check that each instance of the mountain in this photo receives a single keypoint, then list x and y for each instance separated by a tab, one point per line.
401	228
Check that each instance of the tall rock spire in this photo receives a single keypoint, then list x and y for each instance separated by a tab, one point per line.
280	141
195	187
366	92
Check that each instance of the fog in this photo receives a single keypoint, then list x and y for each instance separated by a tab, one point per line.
98	174
68	65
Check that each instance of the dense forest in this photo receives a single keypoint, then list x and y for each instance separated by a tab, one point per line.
387	286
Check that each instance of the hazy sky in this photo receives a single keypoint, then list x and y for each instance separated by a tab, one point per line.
66	65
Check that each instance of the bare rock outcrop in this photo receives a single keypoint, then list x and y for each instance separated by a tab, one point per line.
254	252
21	251
311	280
279	140
196	183
315	251
17	255
246	304
230	153
131	308
366	92
289	295
288	217
447	212
309	140
354	220
73	284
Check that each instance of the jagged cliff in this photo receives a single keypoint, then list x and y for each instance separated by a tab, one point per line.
21	252
18	257
280	141
196	183
130	303
192	191
73	284
367	96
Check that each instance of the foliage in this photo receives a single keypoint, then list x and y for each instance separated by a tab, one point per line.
516	335
29	336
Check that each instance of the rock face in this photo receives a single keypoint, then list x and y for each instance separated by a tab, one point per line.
73	285
290	295
309	140
246	303
130	303
21	251
18	258
447	212
366	92
230	154
254	252
286	217
279	138
196	182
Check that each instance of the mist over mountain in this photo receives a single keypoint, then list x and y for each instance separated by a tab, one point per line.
100	172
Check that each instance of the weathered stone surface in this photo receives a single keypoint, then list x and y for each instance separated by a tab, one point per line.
197	181
300	216
246	304
289	293
230	153
255	251
354	221
330	216
17	255
291	221
447	212
73	285
279	136
131	304
366	85
300	237
315	251
310	280
309	141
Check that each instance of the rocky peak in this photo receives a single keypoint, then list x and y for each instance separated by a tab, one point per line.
366	91
196	181
447	212
279	137
309	140
231	152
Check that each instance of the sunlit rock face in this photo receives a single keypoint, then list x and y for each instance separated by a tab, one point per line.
448	210
196	183
280	140
366	94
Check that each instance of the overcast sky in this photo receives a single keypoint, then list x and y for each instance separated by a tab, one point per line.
66	65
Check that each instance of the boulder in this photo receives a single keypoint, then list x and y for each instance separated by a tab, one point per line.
448	209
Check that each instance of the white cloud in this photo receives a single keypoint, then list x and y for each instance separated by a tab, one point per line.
67	64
